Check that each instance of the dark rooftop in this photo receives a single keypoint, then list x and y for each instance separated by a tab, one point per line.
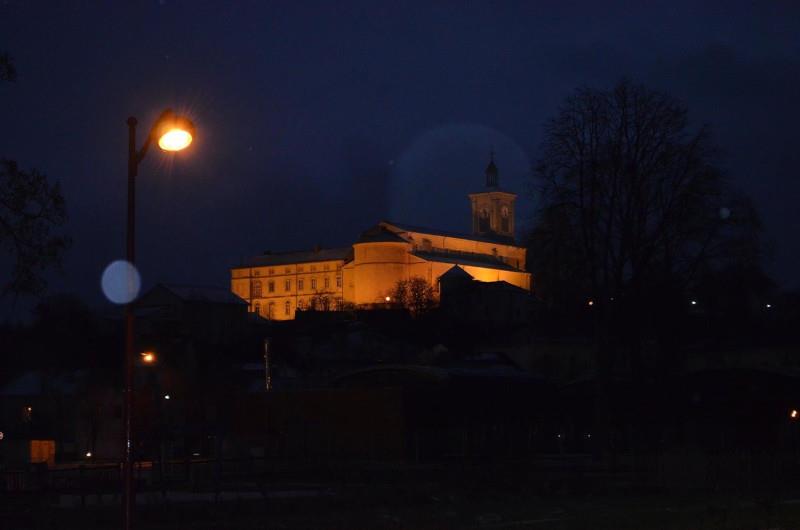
503	240
466	258
379	233
301	256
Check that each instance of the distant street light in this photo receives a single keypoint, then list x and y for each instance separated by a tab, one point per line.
148	357
173	133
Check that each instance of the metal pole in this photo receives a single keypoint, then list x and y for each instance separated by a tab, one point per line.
267	367
128	497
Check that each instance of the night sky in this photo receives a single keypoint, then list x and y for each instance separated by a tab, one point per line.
316	120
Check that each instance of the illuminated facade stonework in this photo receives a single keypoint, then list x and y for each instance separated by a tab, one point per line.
365	273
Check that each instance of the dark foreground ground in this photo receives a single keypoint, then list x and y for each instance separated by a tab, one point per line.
394	510
484	498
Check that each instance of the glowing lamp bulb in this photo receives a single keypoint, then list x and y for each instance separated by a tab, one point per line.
388	298
166	396
175	140
793	414
148	357
88	454
590	302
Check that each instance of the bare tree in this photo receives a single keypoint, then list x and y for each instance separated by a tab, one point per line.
632	208
31	212
415	295
7	70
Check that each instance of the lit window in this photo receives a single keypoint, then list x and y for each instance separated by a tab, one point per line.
313	284
287	307
300	284
271	286
287	286
327	282
257	289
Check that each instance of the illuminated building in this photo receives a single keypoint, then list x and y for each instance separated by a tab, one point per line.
275	285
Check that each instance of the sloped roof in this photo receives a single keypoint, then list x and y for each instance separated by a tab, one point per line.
466	258
207	294
457	273
380	234
504	240
301	256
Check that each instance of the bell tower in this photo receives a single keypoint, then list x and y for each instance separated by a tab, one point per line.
493	208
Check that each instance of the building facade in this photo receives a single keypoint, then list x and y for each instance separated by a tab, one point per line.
275	285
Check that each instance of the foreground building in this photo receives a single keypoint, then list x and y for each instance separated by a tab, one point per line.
365	274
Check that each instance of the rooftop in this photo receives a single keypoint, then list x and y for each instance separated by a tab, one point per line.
466	258
300	256
503	240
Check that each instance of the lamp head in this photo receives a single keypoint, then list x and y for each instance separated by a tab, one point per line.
174	132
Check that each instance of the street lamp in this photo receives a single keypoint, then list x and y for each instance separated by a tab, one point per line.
173	133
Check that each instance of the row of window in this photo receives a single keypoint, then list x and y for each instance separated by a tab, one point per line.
322	304
300	268
287	285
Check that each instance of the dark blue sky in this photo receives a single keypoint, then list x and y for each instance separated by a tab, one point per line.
317	119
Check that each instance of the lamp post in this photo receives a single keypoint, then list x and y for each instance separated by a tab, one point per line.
173	133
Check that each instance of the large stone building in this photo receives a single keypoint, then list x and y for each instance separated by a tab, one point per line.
364	274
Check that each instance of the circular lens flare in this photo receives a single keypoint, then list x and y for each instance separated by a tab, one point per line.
121	282
175	140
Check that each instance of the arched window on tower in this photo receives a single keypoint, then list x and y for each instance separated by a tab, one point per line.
483	220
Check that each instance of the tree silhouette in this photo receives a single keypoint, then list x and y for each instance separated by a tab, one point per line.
31	212
7	70
415	295
633	208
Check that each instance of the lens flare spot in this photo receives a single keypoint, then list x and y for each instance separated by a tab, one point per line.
121	282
